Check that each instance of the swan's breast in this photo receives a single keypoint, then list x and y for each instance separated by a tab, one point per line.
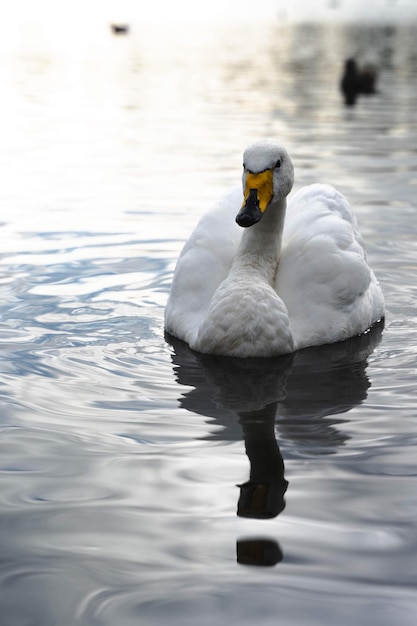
245	319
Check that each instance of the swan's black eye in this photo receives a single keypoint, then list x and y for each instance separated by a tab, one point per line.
244	166
278	163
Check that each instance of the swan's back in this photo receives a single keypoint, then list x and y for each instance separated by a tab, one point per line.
323	277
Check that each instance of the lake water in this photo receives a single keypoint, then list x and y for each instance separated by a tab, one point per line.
124	460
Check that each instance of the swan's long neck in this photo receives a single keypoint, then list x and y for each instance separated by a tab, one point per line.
246	317
260	247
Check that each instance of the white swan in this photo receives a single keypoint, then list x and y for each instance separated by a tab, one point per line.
269	289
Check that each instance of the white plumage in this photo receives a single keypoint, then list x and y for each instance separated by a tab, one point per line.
292	277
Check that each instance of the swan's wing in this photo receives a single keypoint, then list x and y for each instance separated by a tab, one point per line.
324	278
203	264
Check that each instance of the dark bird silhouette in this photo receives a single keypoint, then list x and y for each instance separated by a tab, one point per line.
357	81
120	29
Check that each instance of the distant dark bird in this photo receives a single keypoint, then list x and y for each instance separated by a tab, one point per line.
120	29
355	81
367	79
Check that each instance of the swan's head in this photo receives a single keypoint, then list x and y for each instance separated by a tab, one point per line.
268	177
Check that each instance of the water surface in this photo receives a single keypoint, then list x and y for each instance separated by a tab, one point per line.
125	457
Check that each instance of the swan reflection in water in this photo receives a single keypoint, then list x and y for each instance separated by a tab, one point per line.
296	394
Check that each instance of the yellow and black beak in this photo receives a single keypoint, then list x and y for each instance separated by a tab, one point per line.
257	195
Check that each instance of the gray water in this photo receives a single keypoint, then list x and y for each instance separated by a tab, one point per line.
121	453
